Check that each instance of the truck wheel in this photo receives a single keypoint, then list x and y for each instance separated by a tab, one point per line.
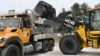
11	50
69	45
50	45
44	46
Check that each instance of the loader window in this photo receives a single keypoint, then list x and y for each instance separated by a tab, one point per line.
95	20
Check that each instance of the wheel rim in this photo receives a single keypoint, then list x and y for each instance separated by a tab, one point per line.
69	45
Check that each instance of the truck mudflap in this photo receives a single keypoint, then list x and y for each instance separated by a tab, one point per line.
0	51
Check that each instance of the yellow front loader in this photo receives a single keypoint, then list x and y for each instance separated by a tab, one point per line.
86	33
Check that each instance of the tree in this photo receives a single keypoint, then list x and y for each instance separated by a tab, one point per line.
84	8
76	10
63	10
79	11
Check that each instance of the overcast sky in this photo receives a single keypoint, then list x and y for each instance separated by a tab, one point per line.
18	5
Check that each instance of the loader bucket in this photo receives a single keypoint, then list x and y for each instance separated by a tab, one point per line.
44	10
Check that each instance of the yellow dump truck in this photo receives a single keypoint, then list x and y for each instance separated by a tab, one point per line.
25	32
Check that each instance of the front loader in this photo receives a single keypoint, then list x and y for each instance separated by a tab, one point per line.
86	33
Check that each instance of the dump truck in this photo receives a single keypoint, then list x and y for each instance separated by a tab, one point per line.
26	32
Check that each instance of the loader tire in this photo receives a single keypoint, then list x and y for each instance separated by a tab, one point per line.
11	50
51	45
69	45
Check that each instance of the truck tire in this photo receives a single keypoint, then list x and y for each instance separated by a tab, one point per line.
11	50
51	45
44	46
69	45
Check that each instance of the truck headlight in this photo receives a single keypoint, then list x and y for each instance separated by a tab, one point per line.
2	39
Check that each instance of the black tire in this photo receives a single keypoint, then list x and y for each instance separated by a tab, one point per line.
69	45
11	50
44	46
51	45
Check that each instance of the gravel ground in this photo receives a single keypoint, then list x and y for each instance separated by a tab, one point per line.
57	52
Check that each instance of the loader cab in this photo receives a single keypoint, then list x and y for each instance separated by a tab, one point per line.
93	20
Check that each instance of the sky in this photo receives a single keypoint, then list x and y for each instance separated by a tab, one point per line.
20	5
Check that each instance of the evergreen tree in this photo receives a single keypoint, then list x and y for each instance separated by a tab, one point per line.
84	8
76	10
79	11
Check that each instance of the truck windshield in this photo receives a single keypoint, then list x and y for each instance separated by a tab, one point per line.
12	23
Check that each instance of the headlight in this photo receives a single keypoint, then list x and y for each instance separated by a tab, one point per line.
2	39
